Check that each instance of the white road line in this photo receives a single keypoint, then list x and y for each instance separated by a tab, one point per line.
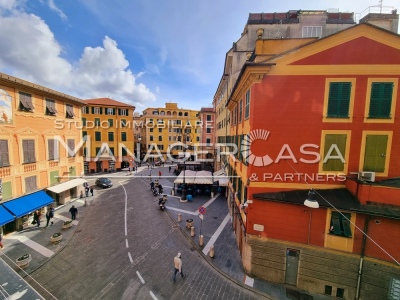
210	201
130	257
153	296
249	281
126	210
184	211
35	246
65	219
126	242
140	277
216	234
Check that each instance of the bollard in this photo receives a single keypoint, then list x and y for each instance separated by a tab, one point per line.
201	241
192	231
211	253
179	217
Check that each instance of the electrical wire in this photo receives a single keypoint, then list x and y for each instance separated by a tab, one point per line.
343	216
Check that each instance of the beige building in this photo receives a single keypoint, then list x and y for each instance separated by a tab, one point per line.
39	135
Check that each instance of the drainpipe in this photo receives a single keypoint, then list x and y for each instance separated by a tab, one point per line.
364	241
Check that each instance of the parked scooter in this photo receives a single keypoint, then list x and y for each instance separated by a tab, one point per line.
161	202
154	191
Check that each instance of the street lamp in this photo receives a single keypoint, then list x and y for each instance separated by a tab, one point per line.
184	136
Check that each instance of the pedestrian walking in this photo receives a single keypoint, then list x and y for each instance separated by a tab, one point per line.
49	215
178	266
169	169
91	190
1	241
159	174
73	210
148	166
36	217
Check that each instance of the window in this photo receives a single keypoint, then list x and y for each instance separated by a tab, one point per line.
112	151
381	100
97	136
312	31
328	290
50	107
97	110
340	224
4	156
208	130
70	111
339	99
85	109
122	112
84	133
71	147
123	136
151	129
375	153
335	147
96	122
28	147
110	111
123	123
178	122
98	151
247	105
340	293
160	130
160	138
208	117
111	136
83	121
124	153
240	110
208	141
394	289
110	123
52	146
25	102
30	184
160	147
197	139
151	138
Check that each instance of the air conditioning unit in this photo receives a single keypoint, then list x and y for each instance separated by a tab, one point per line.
366	176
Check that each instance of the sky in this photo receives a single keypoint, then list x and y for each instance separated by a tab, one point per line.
141	52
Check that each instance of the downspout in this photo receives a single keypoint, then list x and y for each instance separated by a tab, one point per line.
364	241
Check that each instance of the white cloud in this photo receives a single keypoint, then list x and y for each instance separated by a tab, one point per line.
28	48
54	7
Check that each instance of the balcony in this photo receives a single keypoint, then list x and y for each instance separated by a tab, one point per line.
29	167
5	171
53	163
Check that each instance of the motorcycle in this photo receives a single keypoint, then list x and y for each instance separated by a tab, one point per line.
160	189
154	191
161	202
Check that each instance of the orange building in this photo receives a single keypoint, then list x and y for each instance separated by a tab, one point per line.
38	139
319	115
109	130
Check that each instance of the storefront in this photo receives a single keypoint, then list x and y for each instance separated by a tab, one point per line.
66	191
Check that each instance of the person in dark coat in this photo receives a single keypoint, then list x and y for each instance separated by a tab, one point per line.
73	210
49	215
91	190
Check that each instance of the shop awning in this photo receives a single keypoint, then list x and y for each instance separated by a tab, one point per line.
26	204
189	177
221	177
5	216
59	188
203	177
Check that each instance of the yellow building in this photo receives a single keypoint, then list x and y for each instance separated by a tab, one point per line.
162	127
37	126
108	127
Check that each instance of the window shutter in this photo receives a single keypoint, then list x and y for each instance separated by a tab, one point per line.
340	141
375	153
4	156
339	99
25	150
101	110
51	149
336	223
344	100
381	100
387	91
346	227
119	111
92	110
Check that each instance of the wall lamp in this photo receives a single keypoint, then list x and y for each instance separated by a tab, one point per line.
311	201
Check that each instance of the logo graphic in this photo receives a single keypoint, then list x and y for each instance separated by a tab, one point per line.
245	148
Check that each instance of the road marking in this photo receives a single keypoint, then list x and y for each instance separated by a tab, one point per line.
126	209
210	201
140	277
184	211
153	296
249	281
216	234
35	246
126	242
130	257
66	219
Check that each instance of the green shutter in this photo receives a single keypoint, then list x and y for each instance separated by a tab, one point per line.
346	227
339	99
97	150
101	110
340	141
381	100
375	153
92	110
336	223
98	136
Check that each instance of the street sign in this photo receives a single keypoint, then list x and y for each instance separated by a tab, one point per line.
202	210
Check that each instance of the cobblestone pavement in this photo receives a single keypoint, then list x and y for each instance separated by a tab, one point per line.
122	247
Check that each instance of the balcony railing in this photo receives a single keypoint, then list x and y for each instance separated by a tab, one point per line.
30	167
5	171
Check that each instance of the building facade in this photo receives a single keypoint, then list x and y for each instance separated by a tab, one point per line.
38	136
319	119
109	130
167	132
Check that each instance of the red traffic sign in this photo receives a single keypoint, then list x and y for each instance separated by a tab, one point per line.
202	210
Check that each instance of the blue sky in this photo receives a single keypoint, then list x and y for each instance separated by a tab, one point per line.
143	52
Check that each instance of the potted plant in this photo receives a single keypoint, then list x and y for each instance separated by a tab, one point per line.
23	261
67	224
56	238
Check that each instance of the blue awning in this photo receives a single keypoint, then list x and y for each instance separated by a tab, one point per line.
26	204
5	216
